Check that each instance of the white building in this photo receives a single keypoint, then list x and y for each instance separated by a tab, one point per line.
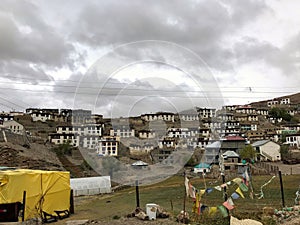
293	140
14	126
205	113
41	116
178	132
189	117
89	141
167	143
136	149
272	103
146	134
123	132
285	101
89	129
108	146
267	150
64	138
245	110
164	116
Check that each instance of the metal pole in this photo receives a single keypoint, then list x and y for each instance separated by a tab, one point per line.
137	194
281	188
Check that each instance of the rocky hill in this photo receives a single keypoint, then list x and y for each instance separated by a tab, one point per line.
35	157
294	98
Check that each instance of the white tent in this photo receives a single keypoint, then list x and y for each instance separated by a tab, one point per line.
90	185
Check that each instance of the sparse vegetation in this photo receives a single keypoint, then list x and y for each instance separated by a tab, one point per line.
248	152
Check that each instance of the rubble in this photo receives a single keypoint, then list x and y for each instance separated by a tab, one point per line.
286	214
183	217
139	213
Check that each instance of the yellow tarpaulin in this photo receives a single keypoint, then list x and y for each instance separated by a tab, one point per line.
46	191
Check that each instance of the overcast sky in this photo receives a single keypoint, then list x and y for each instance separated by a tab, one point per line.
131	57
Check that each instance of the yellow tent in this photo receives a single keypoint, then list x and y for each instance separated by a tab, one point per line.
46	191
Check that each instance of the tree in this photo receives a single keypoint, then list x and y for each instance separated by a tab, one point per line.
64	149
276	112
285	151
248	152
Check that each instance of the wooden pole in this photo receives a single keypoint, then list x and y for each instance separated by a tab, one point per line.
24	206
184	197
224	188
72	201
137	194
281	188
250	181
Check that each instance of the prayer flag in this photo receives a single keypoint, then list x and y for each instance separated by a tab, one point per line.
228	205
223	210
235	195
238	190
218	188
243	187
209	190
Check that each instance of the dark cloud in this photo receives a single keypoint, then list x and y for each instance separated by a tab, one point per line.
39	38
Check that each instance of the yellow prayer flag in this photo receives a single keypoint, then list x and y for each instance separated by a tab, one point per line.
238	190
212	210
202	192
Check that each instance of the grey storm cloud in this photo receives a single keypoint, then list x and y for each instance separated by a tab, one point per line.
39	37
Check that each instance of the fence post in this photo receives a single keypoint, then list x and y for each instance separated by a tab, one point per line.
137	194
281	188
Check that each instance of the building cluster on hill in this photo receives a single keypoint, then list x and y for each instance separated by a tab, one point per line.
227	130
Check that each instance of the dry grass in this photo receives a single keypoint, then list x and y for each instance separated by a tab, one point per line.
172	190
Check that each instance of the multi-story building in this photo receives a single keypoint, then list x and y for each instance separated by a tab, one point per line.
164	116
246	110
14	126
108	146
167	142
178	132
136	149
293	139
80	116
122	131
205	113
60	138
146	134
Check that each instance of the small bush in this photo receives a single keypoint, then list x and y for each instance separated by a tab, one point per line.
116	217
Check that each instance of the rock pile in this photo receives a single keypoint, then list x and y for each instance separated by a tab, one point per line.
287	213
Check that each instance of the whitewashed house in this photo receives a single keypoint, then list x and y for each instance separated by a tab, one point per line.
267	150
136	149
178	132
245	110
14	126
164	116
123	132
293	140
57	139
205	113
146	134
108	146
